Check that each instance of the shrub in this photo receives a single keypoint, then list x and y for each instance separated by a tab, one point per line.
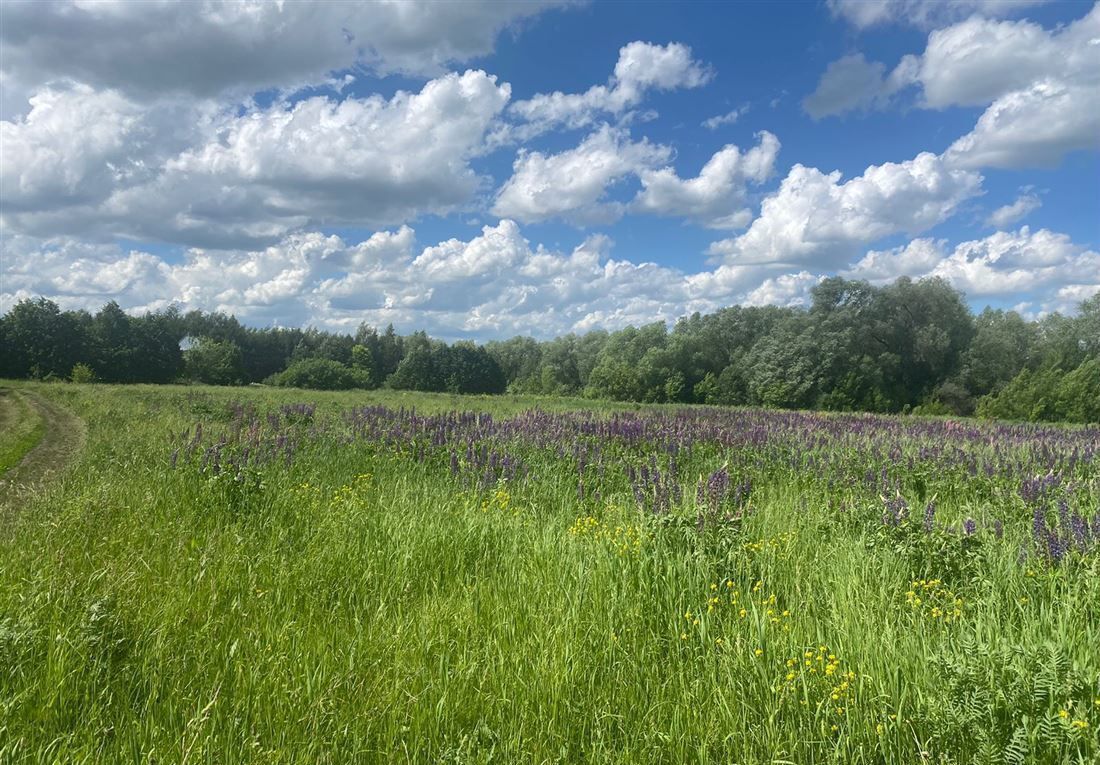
82	373
322	374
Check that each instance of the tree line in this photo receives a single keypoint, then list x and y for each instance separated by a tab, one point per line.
910	346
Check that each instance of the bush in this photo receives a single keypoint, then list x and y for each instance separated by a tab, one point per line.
322	374
82	373
949	398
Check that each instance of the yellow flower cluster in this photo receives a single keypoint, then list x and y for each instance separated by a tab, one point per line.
818	676
499	501
352	494
932	599
725	598
782	542
349	495
1078	724
623	538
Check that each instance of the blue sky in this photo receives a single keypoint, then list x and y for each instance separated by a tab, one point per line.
332	164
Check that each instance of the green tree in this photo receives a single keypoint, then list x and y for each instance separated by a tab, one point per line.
390	352
1002	345
114	355
417	371
519	359
1079	393
362	361
43	341
214	362
782	368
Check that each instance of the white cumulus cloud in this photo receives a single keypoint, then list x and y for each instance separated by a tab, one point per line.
853	82
922	13
203	49
246	178
816	219
641	67
1040	87
729	118
572	184
1008	214
716	197
1005	264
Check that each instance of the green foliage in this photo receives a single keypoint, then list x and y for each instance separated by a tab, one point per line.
903	347
362	360
949	398
214	362
1079	393
1049	394
41	340
461	368
82	373
782	370
1003	345
322	374
1015	702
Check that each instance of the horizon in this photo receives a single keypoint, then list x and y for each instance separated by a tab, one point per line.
448	168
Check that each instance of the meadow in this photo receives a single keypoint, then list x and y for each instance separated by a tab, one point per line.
254	575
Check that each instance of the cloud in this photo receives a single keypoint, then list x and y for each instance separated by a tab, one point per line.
70	148
246	179
1006	264
718	120
816	219
853	82
977	61
1009	214
921	13
641	67
716	197
494	284
916	259
785	290
151	49
572	184
1035	127
497	284
1041	87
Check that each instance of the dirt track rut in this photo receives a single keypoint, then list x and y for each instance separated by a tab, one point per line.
61	442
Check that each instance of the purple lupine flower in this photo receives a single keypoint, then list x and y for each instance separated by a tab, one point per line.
718	485
929	517
1056	548
897	510
1079	532
1038	525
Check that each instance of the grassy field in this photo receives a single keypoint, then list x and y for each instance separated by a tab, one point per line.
252	575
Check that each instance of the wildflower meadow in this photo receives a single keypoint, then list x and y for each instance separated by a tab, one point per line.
239	576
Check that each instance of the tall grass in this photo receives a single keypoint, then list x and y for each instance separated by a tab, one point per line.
363	605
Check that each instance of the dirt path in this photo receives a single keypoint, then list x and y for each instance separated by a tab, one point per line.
62	440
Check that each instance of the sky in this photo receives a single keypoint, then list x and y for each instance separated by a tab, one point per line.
491	168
